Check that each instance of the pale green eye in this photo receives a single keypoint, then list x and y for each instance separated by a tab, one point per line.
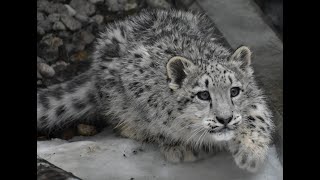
204	95
234	91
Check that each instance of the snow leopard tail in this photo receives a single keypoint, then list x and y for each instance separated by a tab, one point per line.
62	104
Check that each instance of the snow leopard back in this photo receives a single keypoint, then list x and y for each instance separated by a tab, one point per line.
122	63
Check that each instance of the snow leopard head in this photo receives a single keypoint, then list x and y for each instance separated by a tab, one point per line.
214	94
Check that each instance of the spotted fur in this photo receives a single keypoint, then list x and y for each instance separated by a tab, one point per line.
145	80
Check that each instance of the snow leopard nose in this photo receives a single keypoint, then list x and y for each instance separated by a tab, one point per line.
224	120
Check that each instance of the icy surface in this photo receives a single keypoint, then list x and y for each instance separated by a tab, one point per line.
105	156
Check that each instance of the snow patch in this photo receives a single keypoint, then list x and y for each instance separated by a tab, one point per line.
105	156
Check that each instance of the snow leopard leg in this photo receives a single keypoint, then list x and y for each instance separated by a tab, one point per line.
250	145
181	153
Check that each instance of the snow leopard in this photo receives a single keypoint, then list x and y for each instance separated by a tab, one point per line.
162	76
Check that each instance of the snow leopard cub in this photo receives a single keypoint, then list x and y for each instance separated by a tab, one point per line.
160	76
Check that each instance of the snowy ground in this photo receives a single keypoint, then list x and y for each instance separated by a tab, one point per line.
105	156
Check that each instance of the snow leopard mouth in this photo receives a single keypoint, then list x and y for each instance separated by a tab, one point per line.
224	134
224	129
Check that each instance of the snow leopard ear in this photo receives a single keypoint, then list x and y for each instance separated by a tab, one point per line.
242	56
178	68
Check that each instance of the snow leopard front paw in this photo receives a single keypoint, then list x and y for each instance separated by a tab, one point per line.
250	157
177	154
247	160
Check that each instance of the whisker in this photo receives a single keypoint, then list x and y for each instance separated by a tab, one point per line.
196	132
119	124
196	129
201	142
200	137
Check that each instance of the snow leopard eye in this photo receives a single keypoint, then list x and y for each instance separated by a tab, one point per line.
204	95
234	91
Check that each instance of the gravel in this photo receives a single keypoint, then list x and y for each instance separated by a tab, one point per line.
51	7
66	32
42	5
86	37
54	17
40	31
49	47
96	1
45	70
71	23
39	75
40	60
58	26
121	5
40	16
83	7
71	11
98	18
60	66
159	4
44	25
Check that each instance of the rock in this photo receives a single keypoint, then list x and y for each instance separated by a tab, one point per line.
39	82
64	34
79	56
110	18
86	130
40	16
96	1
56	8
61	1
44	25
54	17
185	3
60	66
51	7
42	5
60	9
95	28
40	31
121	5
45	70
48	47
83	7
70	48
68	133
83	18
80	40
71	11
130	5
98	18
159	4
78	48
86	37
40	60
52	41
39	75
71	23
58	26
